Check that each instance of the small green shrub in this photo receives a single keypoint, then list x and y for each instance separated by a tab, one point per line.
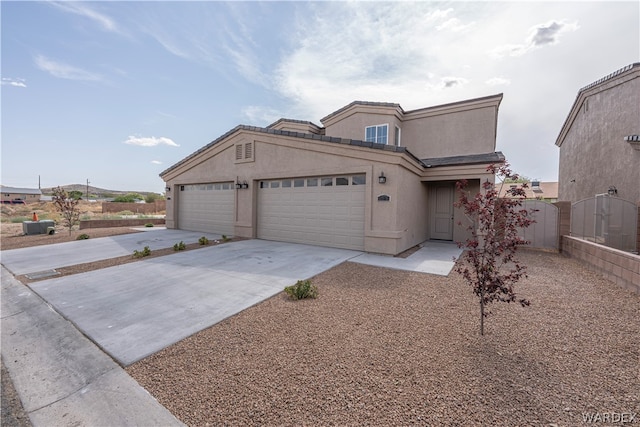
82	237
225	238
179	246
144	252
301	290
125	213
203	240
148	224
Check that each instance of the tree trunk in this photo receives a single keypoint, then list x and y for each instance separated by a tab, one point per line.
482	313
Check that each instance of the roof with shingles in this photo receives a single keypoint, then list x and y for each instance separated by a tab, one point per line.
469	159
17	190
367	103
323	138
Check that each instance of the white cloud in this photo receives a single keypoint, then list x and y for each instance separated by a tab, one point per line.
150	141
455	25
447	82
262	116
497	81
14	82
156	162
65	71
539	36
82	9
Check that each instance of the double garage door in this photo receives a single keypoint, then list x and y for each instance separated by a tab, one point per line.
208	208
324	211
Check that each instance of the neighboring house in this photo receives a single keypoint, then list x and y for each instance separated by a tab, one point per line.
599	142
374	178
26	195
536	190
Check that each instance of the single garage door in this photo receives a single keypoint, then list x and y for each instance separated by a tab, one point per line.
324	211
207	207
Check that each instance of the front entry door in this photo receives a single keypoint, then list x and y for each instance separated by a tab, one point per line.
441	205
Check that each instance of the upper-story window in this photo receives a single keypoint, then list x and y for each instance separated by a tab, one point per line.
397	136
378	134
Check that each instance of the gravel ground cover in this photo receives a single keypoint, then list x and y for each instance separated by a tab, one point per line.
386	347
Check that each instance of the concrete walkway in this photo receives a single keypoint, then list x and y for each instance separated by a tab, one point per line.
434	257
62	378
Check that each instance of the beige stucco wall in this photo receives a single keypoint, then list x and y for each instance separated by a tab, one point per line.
593	154
467	127
354	126
284	157
451	133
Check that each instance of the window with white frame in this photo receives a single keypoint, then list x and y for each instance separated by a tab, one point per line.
378	134
397	136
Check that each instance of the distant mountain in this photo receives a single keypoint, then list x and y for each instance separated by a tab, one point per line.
95	192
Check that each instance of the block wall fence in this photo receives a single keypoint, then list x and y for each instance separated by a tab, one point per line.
622	268
137	208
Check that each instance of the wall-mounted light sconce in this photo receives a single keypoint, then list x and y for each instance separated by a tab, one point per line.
167	188
612	191
245	185
238	186
382	179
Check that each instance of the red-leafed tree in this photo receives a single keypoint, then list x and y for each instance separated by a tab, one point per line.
490	264
68	207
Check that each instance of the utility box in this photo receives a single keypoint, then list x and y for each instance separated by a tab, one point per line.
37	227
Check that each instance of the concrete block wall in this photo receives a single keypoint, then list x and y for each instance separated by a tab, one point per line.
137	208
105	223
622	268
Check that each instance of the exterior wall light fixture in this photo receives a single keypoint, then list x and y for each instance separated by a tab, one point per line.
238	186
245	185
382	179
612	191
167	188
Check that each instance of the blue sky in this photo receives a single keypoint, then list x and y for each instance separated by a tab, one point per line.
116	92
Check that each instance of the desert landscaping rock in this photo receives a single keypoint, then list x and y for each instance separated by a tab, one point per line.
383	347
390	347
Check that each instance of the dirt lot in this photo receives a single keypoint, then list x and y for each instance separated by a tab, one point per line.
386	347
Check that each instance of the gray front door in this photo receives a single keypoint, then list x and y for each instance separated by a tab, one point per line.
441	211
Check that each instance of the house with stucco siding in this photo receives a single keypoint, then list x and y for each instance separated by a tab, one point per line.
599	143
373	177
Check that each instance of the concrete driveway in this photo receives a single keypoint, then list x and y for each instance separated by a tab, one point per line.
47	257
134	310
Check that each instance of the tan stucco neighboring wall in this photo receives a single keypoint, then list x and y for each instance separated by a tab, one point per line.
288	157
593	152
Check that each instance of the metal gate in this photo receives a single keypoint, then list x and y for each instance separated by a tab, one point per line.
543	233
606	220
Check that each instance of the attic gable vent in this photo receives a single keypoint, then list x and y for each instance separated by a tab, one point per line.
244	152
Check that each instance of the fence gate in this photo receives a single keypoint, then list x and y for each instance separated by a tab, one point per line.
606	220
543	233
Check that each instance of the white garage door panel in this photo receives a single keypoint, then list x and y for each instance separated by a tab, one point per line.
207	207
326	216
